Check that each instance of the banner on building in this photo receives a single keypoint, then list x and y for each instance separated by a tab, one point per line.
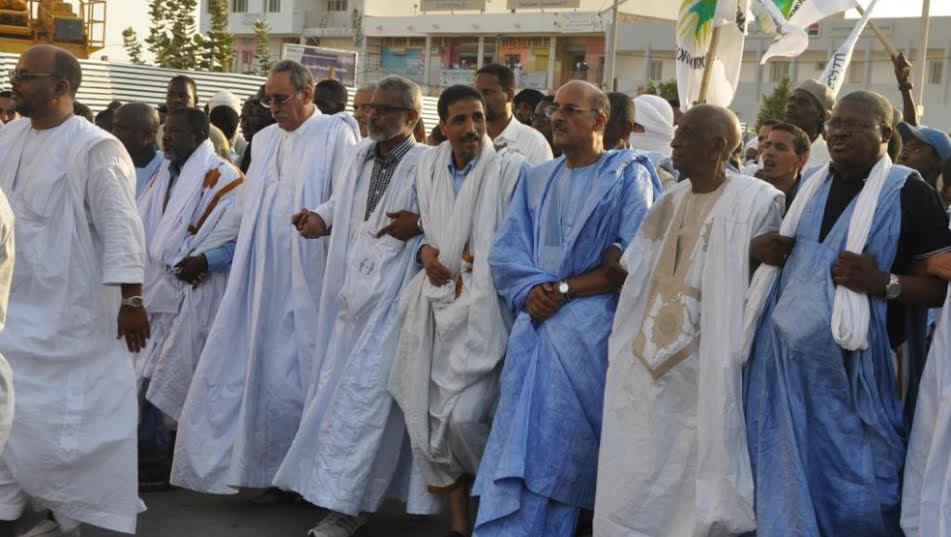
697	20
324	62
452	5
543	4
838	64
580	22
451	77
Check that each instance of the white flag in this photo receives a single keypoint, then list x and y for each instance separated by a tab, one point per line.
695	27
838	64
787	21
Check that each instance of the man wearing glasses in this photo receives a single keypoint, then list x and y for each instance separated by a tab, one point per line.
497	84
79	267
823	414
350	451
553	261
247	395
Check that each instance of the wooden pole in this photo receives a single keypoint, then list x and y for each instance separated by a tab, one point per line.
892	51
708	66
923	50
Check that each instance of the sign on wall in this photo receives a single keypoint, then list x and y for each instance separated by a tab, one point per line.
543	4
325	62
452	5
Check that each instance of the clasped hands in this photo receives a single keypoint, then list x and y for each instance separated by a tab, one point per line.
404	225
856	272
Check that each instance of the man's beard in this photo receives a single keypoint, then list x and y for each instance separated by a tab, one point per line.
382	134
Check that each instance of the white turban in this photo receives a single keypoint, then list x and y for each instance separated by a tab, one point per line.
657	117
225	98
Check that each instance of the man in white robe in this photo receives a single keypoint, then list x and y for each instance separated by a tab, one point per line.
455	325
185	274
673	452
246	397
80	259
496	82
7	256
351	450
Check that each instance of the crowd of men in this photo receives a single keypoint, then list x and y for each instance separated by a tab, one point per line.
657	332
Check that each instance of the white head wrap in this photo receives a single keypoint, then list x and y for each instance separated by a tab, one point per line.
657	117
225	98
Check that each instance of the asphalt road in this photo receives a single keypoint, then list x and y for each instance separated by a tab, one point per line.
180	513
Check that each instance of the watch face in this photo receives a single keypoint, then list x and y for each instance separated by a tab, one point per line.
563	288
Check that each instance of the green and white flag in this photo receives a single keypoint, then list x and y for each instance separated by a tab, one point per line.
697	19
787	20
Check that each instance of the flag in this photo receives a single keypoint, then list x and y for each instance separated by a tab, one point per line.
787	20
697	19
838	64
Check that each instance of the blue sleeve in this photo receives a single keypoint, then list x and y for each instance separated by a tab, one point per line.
219	259
511	260
639	194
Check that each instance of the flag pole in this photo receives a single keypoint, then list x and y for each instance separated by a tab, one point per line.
889	46
923	50
708	66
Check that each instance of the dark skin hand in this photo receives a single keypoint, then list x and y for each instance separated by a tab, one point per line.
133	323
859	273
403	227
192	270
544	300
611	263
902	73
438	274
939	265
772	248
309	225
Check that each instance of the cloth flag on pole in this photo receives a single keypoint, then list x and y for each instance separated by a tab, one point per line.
695	25
838	64
787	21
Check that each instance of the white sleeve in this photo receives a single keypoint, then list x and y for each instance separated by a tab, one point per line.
110	199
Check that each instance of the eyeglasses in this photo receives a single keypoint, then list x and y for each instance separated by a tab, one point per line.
383	109
567	110
19	75
267	102
848	125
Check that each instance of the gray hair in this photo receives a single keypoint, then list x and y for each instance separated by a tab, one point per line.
412	96
368	87
300	75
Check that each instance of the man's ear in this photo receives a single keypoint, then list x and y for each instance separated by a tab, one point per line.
887	133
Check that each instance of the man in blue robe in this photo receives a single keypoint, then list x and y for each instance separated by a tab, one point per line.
553	262
824	419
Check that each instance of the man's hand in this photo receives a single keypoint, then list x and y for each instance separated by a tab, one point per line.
543	301
939	265
859	273
309	225
772	248
438	274
902	68
403	227
134	327
192	270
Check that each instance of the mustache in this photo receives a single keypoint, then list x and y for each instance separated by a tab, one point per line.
471	137
279	116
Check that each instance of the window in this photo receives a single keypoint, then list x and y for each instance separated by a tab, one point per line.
273	6
935	72
239	6
778	71
657	70
336	5
820	67
813	30
856	74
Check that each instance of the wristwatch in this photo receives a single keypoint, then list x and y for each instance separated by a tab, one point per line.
564	288
893	287
419	224
133	301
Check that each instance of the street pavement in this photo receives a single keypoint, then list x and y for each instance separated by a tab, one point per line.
181	513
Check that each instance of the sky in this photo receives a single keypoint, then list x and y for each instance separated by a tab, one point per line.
134	13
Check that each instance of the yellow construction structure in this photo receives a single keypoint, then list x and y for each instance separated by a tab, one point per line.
78	25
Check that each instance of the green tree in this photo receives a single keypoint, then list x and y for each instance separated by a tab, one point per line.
132	46
218	44
666	89
262	52
774	104
183	47
158	40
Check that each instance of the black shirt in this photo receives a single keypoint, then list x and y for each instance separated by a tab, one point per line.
924	229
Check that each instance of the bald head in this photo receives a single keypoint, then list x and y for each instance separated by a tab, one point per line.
706	137
136	126
58	62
